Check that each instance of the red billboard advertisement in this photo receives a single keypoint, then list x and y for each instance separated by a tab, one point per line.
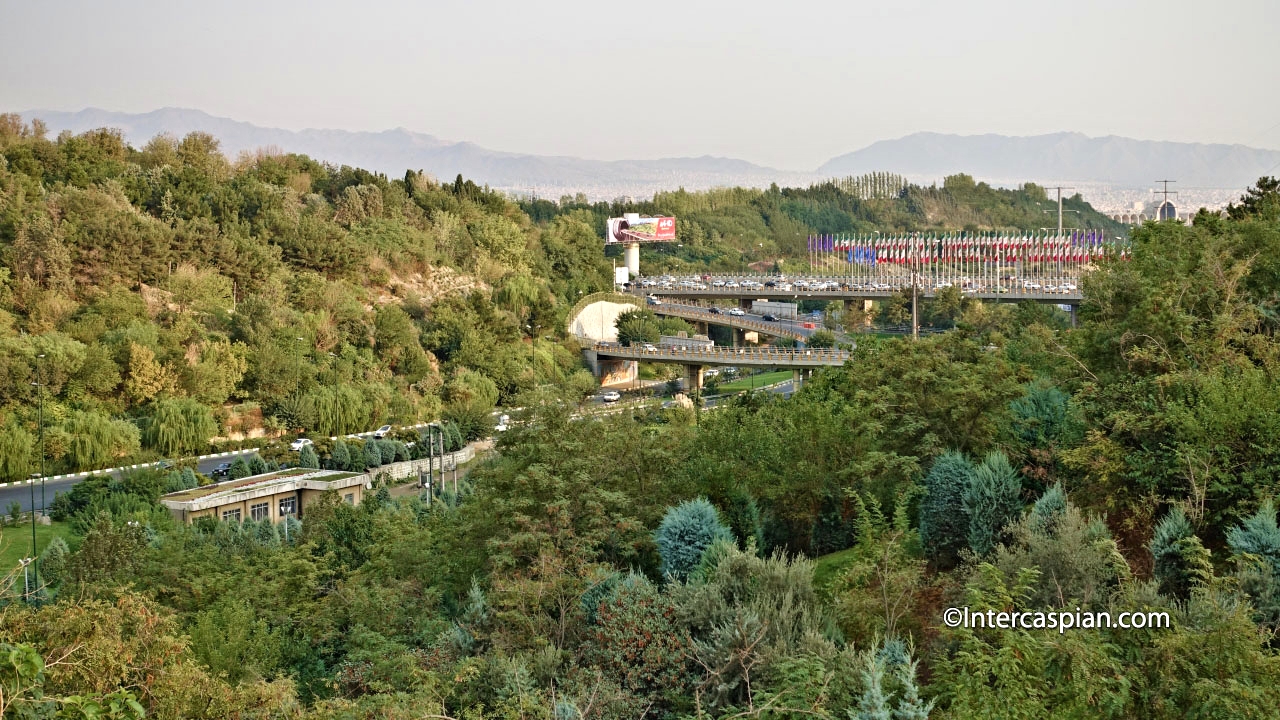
641	229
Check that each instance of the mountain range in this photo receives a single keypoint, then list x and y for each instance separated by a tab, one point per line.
1069	157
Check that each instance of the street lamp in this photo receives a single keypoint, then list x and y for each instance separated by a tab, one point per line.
35	555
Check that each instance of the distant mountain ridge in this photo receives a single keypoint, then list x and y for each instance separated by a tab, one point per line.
1066	156
394	151
999	159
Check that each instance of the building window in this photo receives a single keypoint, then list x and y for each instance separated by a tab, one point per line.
288	506
231	514
350	498
260	511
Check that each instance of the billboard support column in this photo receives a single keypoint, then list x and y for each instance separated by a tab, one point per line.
633	259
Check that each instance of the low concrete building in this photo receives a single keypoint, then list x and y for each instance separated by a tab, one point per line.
273	496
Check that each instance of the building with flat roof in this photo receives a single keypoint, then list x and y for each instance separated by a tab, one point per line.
273	496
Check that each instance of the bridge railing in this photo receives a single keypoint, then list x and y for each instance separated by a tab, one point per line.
726	319
760	354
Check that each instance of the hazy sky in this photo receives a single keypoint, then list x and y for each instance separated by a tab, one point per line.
786	84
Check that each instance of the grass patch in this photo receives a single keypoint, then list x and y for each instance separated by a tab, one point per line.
828	567
15	541
758	381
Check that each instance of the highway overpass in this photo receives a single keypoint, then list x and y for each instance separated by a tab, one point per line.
802	361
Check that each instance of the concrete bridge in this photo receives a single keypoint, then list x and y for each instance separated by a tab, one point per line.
1059	290
695	360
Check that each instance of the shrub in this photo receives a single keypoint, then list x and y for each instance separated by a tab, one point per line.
53	561
944	521
686	531
307	458
340	458
372	455
1181	561
992	500
239	469
257	465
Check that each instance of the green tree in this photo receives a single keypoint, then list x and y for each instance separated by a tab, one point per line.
1181	561
15	452
637	326
687	530
307	457
53	561
180	426
257	465
372	454
944	519
340	457
822	339
239	469
95	440
992	500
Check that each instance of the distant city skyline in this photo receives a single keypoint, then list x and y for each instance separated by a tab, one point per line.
787	90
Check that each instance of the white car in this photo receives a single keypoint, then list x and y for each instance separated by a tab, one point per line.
382	432
738	312
649	347
611	396
300	443
731	284
718	283
784	287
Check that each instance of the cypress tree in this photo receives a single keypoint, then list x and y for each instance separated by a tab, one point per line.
257	465
372	456
307	458
340	457
1181	561
686	531
991	500
944	521
239	469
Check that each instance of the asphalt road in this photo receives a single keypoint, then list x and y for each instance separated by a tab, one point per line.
793	325
22	493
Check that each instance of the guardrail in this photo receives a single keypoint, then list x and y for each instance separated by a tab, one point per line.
809	357
722	318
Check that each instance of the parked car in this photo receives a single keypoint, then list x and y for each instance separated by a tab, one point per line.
653	300
611	396
649	347
300	443
223	470
382	432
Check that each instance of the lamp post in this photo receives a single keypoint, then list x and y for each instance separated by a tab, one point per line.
35	555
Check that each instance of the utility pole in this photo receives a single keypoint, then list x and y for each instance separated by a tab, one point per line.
35	554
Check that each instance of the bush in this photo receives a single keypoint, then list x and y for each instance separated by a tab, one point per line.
686	531
53	561
340	458
1181	561
307	458
239	469
257	465
372	455
944	522
992	500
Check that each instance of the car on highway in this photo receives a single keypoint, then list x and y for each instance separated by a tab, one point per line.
611	396
300	443
649	347
223	470
784	287
382	432
713	310
769	318
653	300
718	283
732	284
737	312
771	283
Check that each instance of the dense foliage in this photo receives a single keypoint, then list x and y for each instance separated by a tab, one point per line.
771	558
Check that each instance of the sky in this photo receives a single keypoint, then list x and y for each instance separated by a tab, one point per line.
788	85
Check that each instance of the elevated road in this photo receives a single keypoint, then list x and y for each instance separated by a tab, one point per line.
1049	290
763	356
783	327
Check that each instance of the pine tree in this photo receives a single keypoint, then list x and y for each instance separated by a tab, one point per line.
991	500
687	530
874	704
1181	561
257	465
1258	535
307	458
944	522
239	469
340	457
189	479
53	561
372	456
1049	510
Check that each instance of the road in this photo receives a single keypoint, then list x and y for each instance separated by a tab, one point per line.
794	327
22	493
847	288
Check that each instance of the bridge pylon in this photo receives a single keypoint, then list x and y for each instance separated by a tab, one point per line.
633	259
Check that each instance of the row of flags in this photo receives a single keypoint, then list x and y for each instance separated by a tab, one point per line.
1076	246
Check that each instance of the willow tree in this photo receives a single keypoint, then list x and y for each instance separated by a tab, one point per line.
179	426
95	440
15	452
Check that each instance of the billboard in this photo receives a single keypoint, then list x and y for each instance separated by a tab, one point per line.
634	228
621	275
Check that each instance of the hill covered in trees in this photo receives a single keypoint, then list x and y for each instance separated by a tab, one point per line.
729	229
773	558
